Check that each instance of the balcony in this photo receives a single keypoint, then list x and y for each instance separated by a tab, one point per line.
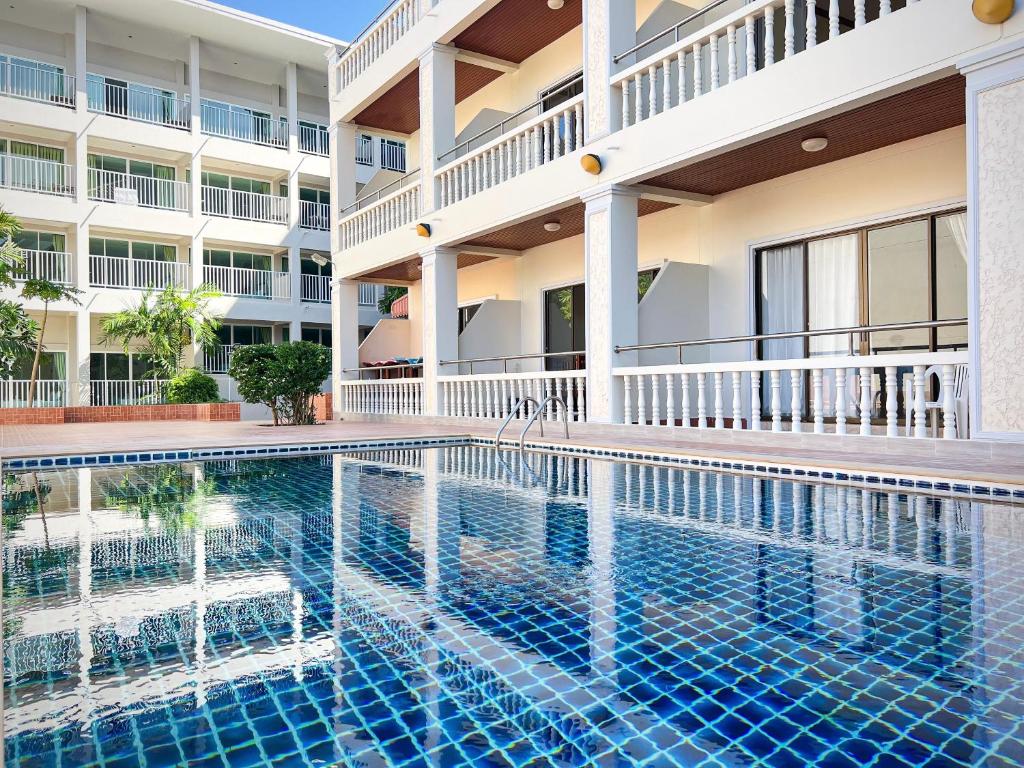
316	289
315	215
314	140
249	283
37	84
369	294
54	266
128	392
396	205
218	360
248	206
389	397
241	124
382	33
137	274
48	394
143	191
138	103
30	174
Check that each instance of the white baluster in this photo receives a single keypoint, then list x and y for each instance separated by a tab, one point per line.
790	35
684	397
812	25
769	36
641	399
655	401
737	401
833	19
652	96
702	403
795	400
859	13
714	62
670	400
948	402
579	126
776	382
666	84
570	399
840	401
920	413
638	105
627	385
731	52
719	401
884	7
865	401
697	71
582	399
891	408
755	401
751	47
818	401
681	76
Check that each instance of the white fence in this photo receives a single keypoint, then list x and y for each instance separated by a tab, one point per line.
393	397
55	266
249	283
50	393
37	84
398	209
316	288
723	52
369	294
127	392
547	137
250	206
314	140
802	392
383	33
130	189
146	106
314	215
218	359
117	272
30	174
242	125
493	396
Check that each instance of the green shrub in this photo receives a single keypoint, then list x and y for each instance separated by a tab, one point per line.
283	377
192	386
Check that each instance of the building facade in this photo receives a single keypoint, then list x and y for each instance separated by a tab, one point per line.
181	144
591	179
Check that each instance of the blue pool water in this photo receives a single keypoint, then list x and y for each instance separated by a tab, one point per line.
447	607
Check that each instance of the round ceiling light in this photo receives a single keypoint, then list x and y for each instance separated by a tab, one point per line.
554	5
552	226
815	144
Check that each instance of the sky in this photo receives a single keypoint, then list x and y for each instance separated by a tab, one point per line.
343	19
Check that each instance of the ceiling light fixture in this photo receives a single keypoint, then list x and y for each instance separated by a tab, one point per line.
554	5
552	226
814	144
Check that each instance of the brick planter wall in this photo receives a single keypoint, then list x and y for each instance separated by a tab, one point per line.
322	406
114	413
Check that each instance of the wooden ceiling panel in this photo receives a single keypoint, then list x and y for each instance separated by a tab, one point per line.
399	108
917	112
514	30
410	271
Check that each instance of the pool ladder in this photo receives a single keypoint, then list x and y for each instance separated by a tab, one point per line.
536	415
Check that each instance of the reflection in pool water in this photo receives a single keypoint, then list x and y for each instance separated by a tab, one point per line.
454	607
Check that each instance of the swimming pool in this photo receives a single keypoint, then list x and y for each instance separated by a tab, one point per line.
455	607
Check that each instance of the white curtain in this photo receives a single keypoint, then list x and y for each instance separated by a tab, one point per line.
833	279
782	309
957	223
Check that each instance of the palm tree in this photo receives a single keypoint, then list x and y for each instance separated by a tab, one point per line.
47	292
10	253
167	322
18	335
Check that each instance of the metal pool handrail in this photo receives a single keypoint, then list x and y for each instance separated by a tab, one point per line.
515	409
505	358
536	415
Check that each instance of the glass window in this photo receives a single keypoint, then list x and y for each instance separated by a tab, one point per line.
833	278
564	326
951	277
645	280
466	314
145	251
898	284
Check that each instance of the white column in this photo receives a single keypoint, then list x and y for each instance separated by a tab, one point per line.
295	277
82	255
343	167
440	321
344	335
995	239
292	96
609	28
195	172
196	265
81	63
611	270
79	394
437	115
193	89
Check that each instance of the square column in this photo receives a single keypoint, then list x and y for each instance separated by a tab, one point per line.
193	91
292	97
344	336
195	172
295	276
995	239
196	263
440	322
81	64
78	393
437	116
609	28
611	295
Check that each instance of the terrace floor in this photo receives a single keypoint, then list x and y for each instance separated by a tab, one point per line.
963	460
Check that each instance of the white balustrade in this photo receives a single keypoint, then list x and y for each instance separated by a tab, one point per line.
31	174
314	140
396	210
117	272
369	294
143	105
494	395
390	397
250	206
242	125
145	191
691	66
316	288
218	359
127	392
55	266
383	33
392	156
799	394
49	393
37	84
249	283
541	140
314	215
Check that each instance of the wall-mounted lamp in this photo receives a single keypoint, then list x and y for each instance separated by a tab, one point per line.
591	164
992	11
319	260
423	230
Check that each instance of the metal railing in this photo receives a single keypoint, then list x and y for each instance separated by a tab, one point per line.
249	206
367	368
367	201
369	294
314	215
54	266
49	393
316	289
249	283
37	84
30	174
144	106
392	156
364	150
243	126
144	191
504	359
218	359
128	391
677	28
314	141
139	274
849	332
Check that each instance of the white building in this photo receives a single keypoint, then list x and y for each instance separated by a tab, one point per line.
167	142
773	166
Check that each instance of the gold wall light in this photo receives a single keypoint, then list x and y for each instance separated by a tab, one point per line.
992	11
423	230
591	164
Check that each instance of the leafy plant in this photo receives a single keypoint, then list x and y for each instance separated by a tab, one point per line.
10	253
167	322
391	294
284	377
47	292
18	335
192	386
